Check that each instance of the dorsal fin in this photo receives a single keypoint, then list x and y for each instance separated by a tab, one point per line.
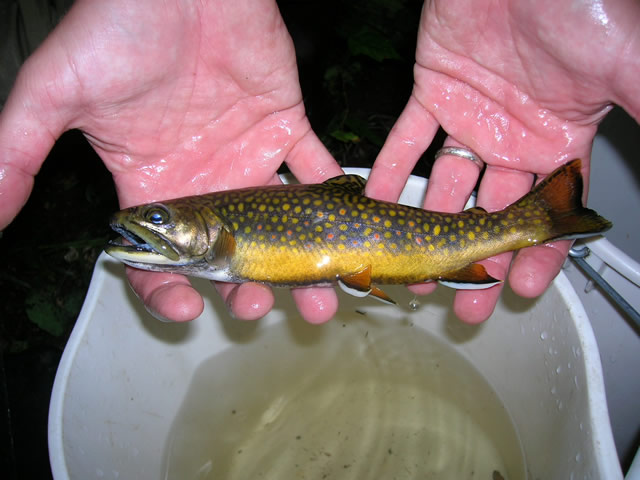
350	183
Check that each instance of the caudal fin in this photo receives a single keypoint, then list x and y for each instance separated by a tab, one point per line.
560	195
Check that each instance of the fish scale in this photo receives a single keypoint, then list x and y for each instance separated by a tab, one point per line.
296	235
293	234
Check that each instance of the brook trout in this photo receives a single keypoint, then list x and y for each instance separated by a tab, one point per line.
328	233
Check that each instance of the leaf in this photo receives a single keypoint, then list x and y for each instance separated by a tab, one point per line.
344	136
50	313
372	44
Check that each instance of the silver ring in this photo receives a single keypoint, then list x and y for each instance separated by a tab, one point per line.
462	153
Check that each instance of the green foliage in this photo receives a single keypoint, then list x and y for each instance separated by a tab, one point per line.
51	311
368	42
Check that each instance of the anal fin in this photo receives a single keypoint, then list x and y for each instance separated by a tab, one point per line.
470	277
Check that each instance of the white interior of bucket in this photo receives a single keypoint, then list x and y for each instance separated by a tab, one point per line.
615	193
124	375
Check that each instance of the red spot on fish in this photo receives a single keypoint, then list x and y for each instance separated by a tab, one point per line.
330	236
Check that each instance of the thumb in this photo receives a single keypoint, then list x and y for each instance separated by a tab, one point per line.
30	123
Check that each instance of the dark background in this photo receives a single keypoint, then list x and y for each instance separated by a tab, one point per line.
355	61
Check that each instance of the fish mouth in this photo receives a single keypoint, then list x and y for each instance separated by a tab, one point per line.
144	247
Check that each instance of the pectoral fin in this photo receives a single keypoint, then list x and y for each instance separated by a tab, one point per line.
471	277
359	285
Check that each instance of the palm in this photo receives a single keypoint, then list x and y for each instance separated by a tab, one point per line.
517	83
176	100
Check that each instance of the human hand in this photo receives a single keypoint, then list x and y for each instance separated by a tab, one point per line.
523	84
177	99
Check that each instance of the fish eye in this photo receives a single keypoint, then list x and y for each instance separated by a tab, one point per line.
157	215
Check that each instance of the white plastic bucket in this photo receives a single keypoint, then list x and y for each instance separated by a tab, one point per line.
124	376
615	193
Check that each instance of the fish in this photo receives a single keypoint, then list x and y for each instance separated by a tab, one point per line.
331	233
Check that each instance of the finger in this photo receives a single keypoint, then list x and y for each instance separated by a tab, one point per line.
310	161
167	296
407	141
27	134
451	182
534	268
499	188
316	305
246	301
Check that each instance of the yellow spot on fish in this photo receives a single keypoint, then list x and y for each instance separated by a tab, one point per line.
387	235
392	213
496	229
452	238
232	207
510	216
317	203
241	207
462	242
436	230
460	223
286	207
485	235
387	223
236	226
394	246
318	229
364	215
247	229
262	207
330	206
471	236
341	246
431	248
297	209
367	243
482	221
513	230
332	217
367	231
407	247
344	227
